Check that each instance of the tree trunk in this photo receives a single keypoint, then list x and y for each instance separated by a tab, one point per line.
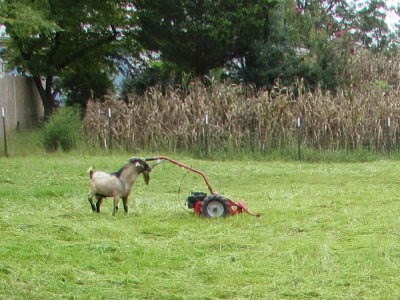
45	92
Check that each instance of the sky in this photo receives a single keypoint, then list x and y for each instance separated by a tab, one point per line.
391	18
392	2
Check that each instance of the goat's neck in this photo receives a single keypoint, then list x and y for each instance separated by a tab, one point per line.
129	175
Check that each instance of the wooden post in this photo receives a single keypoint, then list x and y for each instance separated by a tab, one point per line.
3	115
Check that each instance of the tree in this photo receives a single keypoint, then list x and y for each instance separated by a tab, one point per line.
54	38
364	20
153	73
204	34
277	56
85	81
371	22
315	40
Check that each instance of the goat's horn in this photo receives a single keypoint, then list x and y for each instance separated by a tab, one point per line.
159	161
132	159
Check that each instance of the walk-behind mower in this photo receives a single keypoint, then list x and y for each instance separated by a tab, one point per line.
209	206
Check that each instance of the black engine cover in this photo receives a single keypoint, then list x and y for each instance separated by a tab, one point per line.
195	197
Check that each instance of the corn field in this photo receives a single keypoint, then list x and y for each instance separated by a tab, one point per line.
366	115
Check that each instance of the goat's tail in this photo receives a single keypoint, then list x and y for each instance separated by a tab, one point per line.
90	171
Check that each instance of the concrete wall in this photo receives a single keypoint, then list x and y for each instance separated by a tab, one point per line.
21	101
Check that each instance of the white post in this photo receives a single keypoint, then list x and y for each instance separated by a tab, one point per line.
389	135
109	129
298	138
206	136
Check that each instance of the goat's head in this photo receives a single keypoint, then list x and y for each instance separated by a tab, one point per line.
142	167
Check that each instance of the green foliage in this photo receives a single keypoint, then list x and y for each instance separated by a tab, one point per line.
202	35
382	85
313	41
275	57
78	46
62	130
374	31
24	142
156	73
268	61
298	47
85	81
53	39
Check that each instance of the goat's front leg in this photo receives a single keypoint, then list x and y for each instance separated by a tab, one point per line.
99	202
116	202
90	199
125	202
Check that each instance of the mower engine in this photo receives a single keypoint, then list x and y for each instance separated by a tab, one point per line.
215	206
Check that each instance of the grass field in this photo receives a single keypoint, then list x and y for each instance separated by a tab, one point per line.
327	231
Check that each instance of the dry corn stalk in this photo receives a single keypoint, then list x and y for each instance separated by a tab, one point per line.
365	115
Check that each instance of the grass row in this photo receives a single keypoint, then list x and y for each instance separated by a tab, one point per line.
29	142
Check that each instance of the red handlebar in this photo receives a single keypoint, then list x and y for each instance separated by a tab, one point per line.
185	167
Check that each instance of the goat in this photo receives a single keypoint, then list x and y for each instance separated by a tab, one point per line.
118	184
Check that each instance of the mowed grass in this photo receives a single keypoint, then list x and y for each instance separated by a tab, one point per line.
327	231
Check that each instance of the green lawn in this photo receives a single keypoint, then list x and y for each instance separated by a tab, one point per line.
327	231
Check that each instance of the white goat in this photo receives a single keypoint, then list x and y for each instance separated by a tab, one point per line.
118	184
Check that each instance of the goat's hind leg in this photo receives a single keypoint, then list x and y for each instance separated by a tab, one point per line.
116	202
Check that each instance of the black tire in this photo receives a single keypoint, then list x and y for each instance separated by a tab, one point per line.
215	207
